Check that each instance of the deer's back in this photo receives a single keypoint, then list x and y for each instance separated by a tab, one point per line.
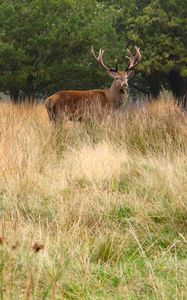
76	102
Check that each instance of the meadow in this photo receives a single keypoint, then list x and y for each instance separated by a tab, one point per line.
96	209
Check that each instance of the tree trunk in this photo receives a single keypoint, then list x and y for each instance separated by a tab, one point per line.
154	84
178	85
14	96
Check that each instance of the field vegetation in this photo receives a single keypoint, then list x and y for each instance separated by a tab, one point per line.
94	209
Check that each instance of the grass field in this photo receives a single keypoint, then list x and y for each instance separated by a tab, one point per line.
93	210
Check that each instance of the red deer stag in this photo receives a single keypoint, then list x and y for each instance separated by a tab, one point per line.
75	104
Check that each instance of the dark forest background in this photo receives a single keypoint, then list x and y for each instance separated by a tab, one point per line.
45	45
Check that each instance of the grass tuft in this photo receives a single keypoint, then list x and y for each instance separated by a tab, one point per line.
94	209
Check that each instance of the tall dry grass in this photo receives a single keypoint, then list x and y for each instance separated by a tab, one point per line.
93	210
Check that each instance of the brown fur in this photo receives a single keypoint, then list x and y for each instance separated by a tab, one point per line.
76	104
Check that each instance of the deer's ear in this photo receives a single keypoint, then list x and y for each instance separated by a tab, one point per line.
130	74
112	74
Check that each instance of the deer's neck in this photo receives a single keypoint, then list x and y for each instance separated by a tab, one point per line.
118	98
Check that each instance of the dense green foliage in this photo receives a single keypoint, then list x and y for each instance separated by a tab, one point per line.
159	28
45	45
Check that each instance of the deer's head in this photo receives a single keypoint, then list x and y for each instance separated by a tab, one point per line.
120	77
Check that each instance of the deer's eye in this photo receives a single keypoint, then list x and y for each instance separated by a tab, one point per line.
117	78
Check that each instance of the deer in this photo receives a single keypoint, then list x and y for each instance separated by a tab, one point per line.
76	103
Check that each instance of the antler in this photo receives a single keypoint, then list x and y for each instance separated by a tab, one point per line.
133	59
99	59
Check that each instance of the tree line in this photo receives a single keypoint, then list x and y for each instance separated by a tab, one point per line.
45	45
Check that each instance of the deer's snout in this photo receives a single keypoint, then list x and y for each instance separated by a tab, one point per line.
124	85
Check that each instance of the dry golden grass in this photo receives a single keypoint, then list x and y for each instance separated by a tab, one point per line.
93	210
